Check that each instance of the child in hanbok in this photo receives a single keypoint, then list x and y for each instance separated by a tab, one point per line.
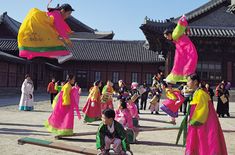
111	132
26	100
92	109
46	34
58	88
173	101
106	98
61	121
133	111
185	61
204	134
123	116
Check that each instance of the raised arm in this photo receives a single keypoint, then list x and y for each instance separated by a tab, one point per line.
180	28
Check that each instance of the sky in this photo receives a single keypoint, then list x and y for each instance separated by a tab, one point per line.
123	17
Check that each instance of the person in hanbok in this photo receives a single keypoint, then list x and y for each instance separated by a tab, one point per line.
26	100
58	88
111	132
61	121
123	115
187	93
186	58
123	91
204	134
156	93
46	34
92	108
107	96
78	88
131	106
173	101
135	92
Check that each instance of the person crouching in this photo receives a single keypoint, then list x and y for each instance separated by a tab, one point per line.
111	132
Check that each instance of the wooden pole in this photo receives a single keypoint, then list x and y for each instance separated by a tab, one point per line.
56	145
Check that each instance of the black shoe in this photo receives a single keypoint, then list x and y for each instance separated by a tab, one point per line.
223	115
156	113
228	115
151	112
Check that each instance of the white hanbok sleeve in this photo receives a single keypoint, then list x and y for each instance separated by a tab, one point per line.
24	88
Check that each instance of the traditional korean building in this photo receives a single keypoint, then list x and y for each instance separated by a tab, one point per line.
95	57
212	30
112	60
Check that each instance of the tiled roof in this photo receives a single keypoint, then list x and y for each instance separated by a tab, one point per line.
231	9
82	30
203	9
214	21
53	66
103	50
212	32
10	57
113	51
92	35
77	25
197	31
10	24
8	45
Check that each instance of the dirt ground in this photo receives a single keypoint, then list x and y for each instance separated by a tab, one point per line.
15	124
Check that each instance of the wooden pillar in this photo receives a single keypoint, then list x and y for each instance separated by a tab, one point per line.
141	74
107	71
229	71
167	64
125	68
17	73
8	74
88	76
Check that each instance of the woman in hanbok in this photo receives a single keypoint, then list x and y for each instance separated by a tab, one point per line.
46	34
61	121
107	96
123	91
92	109
173	101
185	61
26	100
135	94
205	136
